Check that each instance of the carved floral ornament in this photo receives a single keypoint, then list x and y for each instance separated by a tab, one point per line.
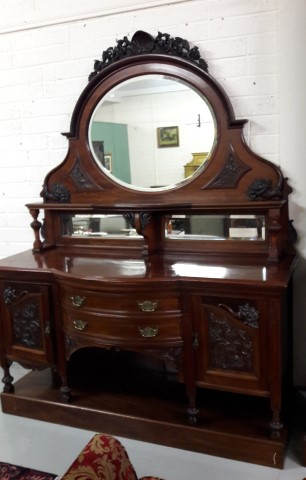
143	43
10	295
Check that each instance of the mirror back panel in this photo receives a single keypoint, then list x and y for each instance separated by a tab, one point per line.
154	134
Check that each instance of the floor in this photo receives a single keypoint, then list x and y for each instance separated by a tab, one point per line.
52	448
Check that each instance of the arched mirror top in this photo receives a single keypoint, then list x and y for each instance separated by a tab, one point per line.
153	127
163	58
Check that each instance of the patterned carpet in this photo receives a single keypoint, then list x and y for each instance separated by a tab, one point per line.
14	472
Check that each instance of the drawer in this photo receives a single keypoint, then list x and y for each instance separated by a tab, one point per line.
147	303
116	330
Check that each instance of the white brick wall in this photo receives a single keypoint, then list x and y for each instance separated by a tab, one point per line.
43	71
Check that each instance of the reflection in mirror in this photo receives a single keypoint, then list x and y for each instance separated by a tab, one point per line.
149	126
96	226
192	227
216	227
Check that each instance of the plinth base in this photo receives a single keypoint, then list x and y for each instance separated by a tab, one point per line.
231	426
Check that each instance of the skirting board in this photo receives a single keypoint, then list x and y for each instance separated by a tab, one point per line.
229	426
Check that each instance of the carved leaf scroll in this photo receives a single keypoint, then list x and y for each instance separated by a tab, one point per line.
246	313
25	317
230	174
81	178
145	219
58	193
27	325
231	347
10	295
262	189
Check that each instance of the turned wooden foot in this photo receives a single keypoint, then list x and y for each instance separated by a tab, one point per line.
192	410
192	415
65	394
7	380
276	426
65	391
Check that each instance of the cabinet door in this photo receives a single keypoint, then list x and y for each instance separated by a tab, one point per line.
230	341
26	322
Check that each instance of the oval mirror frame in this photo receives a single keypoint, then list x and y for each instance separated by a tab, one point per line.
143	55
144	131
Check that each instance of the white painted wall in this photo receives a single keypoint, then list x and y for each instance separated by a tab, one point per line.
43	70
253	47
292	108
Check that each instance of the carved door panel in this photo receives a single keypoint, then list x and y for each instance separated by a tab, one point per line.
26	323
230	342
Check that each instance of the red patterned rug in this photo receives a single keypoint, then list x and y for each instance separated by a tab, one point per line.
14	472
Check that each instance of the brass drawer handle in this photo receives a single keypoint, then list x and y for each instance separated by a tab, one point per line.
147	306
77	300
148	332
79	324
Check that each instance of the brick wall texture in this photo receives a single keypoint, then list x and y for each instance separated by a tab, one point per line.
44	67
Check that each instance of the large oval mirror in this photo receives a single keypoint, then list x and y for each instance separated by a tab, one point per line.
152	132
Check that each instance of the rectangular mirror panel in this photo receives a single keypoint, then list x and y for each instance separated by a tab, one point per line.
190	227
215	227
96	226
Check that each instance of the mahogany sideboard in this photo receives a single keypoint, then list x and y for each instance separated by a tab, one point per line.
193	273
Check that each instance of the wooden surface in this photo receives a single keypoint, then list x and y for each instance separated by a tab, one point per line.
100	266
221	320
230	426
226	427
